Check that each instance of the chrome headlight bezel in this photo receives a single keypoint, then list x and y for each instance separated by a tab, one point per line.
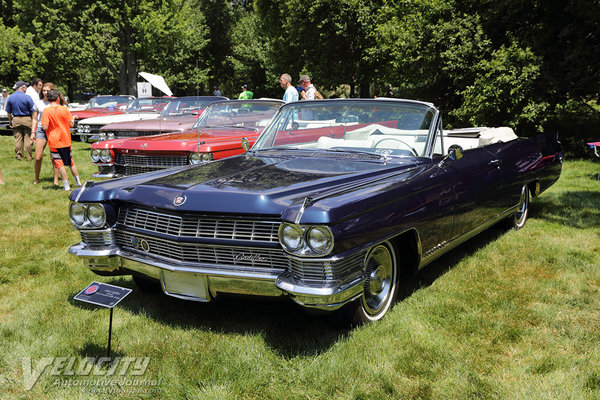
95	155
110	135
300	240
101	136
105	156
194	158
87	215
206	157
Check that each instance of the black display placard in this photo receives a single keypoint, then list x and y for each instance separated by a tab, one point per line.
102	294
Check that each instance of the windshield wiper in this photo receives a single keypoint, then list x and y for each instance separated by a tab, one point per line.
346	150
249	128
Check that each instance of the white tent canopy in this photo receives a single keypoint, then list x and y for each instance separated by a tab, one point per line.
158	82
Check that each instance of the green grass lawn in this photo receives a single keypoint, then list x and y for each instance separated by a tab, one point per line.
508	315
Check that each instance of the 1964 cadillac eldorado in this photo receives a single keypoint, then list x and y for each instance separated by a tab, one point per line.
334	204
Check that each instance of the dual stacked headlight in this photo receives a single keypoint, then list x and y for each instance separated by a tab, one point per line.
306	240
101	155
197	158
106	136
87	215
83	128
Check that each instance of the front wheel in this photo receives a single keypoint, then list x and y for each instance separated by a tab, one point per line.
517	221
380	286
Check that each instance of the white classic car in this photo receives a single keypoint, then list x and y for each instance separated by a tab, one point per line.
139	109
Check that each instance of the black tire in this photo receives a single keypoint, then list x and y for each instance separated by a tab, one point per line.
517	221
380	287
147	285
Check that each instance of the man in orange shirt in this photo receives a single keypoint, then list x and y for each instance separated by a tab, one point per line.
57	122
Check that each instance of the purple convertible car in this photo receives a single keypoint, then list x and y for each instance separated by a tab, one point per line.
336	202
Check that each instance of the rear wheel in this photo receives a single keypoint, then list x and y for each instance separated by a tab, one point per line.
517	221
380	286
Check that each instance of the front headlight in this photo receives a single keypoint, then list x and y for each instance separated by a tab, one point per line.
102	136
206	157
96	215
306	240
87	129
319	239
194	158
105	156
292	237
110	135
87	215
95	155
77	213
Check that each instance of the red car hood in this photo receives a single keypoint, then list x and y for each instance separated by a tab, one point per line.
167	124
94	112
187	141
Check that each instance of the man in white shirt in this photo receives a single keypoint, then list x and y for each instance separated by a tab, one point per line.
291	94
309	90
34	89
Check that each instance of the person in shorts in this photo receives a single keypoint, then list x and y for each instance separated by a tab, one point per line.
37	133
57	122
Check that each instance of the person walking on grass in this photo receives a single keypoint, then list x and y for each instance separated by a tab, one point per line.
19	108
38	135
57	122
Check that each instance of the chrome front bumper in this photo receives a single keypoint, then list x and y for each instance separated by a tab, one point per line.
202	283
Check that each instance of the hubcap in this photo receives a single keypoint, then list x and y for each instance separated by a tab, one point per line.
380	278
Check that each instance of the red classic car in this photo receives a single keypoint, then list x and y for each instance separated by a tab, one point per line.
179	115
102	105
217	134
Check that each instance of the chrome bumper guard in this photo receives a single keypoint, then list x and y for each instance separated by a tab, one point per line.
201	283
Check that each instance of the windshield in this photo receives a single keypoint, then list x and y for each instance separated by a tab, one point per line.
109	101
148	104
186	106
243	114
374	126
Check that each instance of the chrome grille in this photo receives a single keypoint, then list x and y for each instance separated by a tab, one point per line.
134	133
318	271
199	226
263	259
151	160
134	170
97	238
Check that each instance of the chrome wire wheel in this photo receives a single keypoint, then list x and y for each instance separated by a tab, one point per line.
520	216
380	286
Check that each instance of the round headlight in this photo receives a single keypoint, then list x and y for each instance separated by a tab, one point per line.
95	155
105	156
292	237
80	128
319	239
194	158
87	129
77	213
110	135
102	136
205	157
96	215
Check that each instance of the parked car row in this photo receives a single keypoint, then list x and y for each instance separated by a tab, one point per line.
332	206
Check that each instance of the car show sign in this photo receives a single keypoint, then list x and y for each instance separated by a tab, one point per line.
144	89
102	294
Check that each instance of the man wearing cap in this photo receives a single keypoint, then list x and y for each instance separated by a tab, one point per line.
19	108
309	90
291	94
246	94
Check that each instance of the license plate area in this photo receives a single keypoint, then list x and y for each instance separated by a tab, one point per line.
185	285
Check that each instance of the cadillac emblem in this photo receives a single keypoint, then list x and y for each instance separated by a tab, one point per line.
179	200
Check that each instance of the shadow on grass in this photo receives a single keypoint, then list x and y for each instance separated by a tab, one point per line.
575	209
285	327
96	351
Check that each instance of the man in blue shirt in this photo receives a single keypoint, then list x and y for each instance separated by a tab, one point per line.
19	108
291	94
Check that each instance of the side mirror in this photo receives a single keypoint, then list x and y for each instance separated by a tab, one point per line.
455	152
245	144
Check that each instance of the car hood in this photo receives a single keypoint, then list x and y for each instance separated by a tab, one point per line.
167	124
184	141
109	119
94	112
320	190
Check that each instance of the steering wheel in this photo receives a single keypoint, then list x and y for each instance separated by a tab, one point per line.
396	140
